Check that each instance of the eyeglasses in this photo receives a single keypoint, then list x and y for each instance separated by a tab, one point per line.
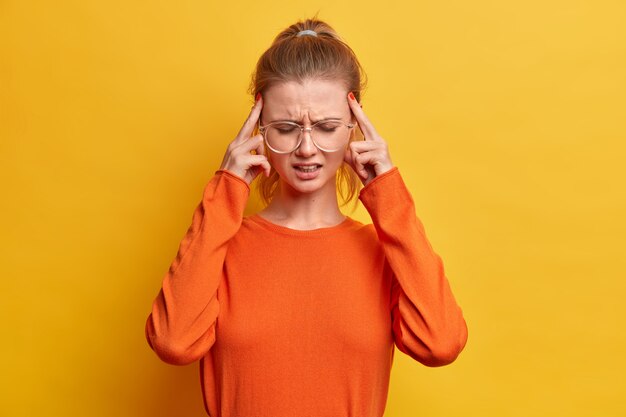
328	135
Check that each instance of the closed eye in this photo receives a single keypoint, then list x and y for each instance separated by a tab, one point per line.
329	126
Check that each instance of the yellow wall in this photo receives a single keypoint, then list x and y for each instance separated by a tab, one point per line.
506	119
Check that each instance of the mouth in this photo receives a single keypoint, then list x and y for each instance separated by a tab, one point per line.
308	167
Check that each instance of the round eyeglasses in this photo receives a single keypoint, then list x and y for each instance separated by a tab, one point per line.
328	135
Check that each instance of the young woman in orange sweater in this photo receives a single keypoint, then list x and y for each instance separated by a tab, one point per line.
295	310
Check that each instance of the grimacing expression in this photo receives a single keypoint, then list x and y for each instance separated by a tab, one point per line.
306	104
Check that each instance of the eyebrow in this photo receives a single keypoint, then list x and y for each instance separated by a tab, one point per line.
298	121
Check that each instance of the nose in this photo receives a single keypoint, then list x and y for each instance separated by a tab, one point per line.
307	147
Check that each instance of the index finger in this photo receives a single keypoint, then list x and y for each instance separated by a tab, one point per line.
248	126
364	123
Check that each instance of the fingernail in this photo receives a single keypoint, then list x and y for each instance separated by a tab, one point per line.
351	96
258	96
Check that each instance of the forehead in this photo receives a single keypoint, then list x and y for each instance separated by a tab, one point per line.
313	99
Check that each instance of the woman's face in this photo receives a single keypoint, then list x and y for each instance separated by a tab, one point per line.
306	104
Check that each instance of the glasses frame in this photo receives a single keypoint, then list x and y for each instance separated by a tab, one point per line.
263	130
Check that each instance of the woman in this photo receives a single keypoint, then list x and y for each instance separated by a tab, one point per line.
295	310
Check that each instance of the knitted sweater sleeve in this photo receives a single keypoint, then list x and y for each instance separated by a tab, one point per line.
427	323
181	326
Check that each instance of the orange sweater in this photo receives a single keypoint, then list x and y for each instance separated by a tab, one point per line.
302	323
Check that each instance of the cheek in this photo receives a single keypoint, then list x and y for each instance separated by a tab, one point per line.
335	161
278	162
274	159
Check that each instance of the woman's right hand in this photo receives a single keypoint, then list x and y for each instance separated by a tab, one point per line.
238	158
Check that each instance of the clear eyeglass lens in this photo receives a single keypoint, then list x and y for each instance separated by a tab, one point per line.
330	135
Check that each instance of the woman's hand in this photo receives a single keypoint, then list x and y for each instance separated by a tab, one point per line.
238	158
370	157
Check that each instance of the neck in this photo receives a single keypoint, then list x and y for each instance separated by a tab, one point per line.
300	210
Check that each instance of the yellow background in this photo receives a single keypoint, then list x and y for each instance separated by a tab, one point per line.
505	118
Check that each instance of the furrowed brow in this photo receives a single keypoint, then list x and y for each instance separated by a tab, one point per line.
300	121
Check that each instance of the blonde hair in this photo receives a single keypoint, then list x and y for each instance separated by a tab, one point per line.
298	58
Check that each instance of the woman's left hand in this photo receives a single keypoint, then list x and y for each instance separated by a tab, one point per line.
370	157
